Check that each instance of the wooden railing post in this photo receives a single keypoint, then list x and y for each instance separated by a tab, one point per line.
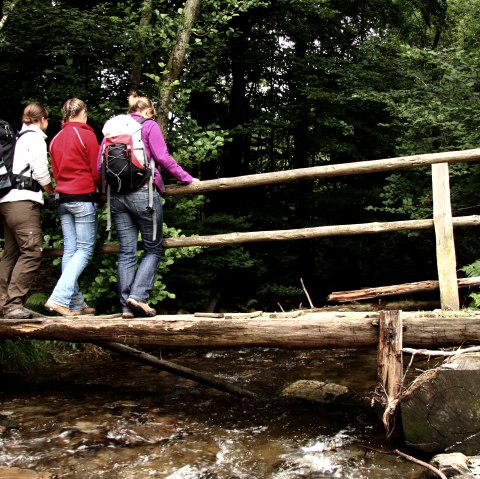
442	220
390	364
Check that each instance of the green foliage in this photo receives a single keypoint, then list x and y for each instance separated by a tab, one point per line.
23	356
267	86
36	301
214	275
473	270
272	296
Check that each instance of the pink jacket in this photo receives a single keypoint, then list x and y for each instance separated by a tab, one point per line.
156	148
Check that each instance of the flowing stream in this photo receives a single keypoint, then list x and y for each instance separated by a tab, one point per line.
110	417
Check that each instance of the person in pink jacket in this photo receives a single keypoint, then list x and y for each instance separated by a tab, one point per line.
131	215
73	154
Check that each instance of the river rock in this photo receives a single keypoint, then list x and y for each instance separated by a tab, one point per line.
454	465
441	410
17	473
317	391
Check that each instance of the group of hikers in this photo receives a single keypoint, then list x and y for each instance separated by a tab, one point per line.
77	185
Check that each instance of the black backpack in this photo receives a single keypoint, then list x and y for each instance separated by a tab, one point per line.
8	180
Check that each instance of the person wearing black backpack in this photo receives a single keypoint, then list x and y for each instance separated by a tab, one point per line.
140	210
20	213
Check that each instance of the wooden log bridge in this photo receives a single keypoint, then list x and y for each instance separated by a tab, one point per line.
296	330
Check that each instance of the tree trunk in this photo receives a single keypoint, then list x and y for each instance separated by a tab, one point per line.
310	330
139	54
175	62
6	11
441	410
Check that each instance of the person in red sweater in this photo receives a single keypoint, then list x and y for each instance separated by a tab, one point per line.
73	154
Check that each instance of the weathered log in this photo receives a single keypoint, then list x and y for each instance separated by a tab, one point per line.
325	171
445	250
311	330
182	371
436	352
396	289
441	409
287	235
390	364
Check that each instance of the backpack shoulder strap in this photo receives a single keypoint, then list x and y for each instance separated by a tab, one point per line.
143	120
23	133
19	135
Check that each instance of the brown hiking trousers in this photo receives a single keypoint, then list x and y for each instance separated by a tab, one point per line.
22	251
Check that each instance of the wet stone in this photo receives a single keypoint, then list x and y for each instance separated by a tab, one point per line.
17	473
454	465
317	391
6	423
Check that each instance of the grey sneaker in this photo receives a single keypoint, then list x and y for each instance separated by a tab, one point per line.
141	307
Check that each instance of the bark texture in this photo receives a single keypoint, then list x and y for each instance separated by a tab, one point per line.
309	330
441	410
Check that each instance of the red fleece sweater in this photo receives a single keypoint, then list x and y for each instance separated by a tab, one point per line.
73	153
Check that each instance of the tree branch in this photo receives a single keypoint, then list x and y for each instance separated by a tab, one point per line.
421	463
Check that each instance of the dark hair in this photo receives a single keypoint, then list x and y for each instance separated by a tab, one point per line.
33	113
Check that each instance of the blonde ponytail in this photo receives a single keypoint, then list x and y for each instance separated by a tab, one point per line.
140	104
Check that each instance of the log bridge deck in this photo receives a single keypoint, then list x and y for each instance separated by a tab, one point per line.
309	329
389	331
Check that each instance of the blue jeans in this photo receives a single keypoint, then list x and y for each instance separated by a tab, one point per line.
131	216
79	227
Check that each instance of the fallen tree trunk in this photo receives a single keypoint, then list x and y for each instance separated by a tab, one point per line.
182	371
311	330
440	410
397	289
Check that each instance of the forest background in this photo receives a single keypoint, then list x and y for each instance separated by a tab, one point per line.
256	86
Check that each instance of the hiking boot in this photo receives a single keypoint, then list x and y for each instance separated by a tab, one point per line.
141	307
18	313
57	308
85	310
127	315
